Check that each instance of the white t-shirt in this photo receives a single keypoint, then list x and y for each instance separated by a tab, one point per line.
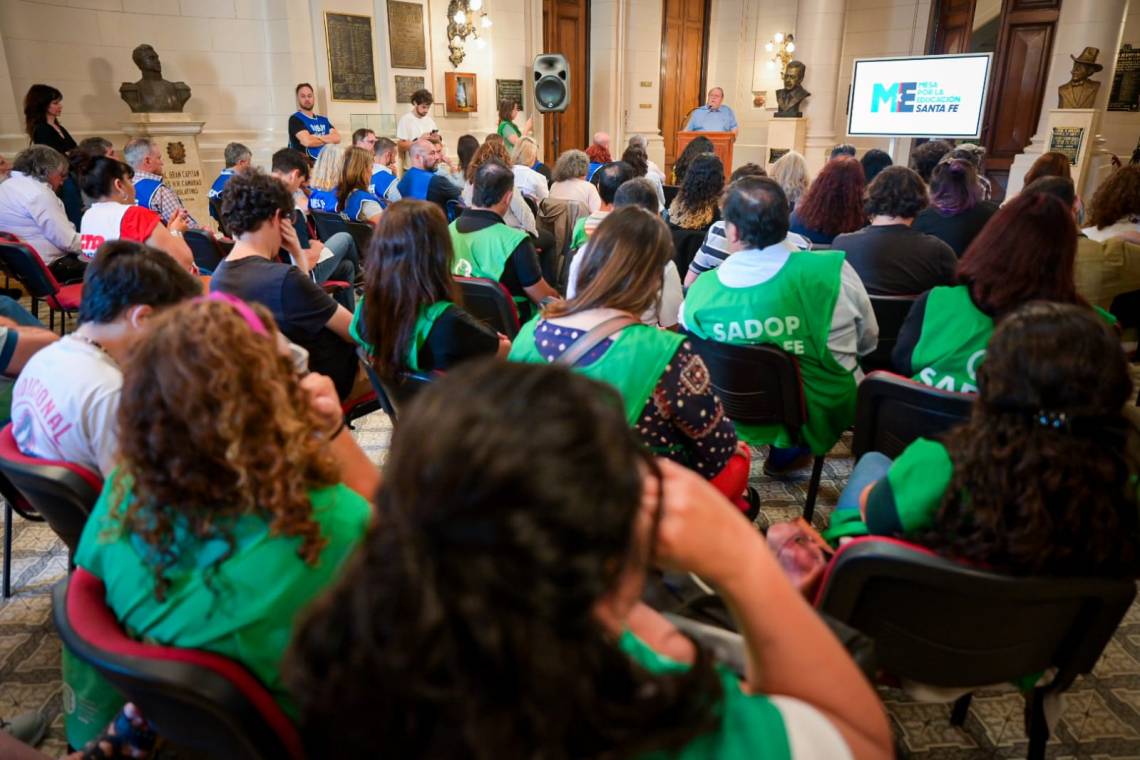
412	127
530	183
1127	224
671	296
65	404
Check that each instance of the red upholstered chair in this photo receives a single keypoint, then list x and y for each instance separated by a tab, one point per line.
62	492
196	700
946	624
14	504
355	408
21	260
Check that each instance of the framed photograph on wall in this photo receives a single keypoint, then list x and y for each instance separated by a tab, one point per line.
461	93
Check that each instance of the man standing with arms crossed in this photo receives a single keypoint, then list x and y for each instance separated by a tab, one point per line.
309	131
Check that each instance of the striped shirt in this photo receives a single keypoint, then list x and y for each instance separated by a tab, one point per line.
714	250
166	201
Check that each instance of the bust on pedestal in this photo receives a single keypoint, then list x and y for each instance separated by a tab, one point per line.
788	128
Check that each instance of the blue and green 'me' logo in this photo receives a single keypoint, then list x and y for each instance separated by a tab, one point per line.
898	97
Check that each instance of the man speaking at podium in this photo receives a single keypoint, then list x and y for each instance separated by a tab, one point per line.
714	117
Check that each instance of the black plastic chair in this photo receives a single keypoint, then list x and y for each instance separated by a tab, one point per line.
329	224
207	252
393	397
949	625
670	193
14	504
490	302
761	385
686	243
890	313
196	700
20	260
361	235
892	411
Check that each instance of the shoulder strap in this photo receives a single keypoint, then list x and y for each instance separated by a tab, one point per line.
593	337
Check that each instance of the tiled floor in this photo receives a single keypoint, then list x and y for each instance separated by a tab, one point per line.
1100	719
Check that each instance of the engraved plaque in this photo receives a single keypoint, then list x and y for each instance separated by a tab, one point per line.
1067	140
406	35
405	86
349	40
509	89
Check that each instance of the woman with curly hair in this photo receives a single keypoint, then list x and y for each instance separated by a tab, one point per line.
697	204
239	492
1115	206
1036	483
570	181
791	173
833	204
891	258
1025	254
497	613
518	213
697	147
957	211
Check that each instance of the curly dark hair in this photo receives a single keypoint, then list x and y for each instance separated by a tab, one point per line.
698	146
1118	197
896	191
925	157
214	425
834	202
1029	498
704	182
251	198
431	641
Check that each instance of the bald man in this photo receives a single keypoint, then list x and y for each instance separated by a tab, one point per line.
714	116
421	181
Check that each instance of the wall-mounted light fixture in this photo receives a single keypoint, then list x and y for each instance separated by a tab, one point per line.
464	20
780	47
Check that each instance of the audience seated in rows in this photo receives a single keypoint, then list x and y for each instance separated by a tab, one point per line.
923	158
715	249
528	181
570	181
663	383
215	536
697	204
697	146
1024	254
874	161
325	178
352	195
833	204
65	403
811	304
333	259
383	167
607	179
151	191
791	173
485	246
518	214
957	211
636	192
30	209
890	256
1036	483
1115	206
113	214
526	565
411	317
636	157
237	158
420	180
257	210
654	171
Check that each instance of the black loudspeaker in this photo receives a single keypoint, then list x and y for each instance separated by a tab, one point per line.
551	82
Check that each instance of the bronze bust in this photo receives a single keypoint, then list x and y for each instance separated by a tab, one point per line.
789	98
152	93
1080	91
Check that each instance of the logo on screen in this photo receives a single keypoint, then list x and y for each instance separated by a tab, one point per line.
909	97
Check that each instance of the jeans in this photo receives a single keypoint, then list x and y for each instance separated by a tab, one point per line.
14	311
870	468
342	266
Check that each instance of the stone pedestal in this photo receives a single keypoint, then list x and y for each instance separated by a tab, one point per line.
176	135
1073	131
785	134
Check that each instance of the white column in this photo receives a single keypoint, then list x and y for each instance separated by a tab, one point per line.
819	43
1083	23
639	38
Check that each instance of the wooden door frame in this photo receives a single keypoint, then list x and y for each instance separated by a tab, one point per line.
704	63
548	125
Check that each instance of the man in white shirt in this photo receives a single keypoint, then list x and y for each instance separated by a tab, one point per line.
417	122
66	400
30	209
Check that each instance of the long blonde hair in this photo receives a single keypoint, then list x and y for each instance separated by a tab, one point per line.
326	172
791	174
526	152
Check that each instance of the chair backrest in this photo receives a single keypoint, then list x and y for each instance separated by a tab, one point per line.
892	411
670	192
62	492
196	700
207	253
329	224
361	235
890	313
686	243
453	209
757	384
490	302
23	262
946	624
393	396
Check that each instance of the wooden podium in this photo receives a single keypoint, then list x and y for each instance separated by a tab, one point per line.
722	145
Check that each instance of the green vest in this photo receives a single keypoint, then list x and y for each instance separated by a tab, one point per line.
506	127
793	311
424	324
953	341
578	239
484	253
632	364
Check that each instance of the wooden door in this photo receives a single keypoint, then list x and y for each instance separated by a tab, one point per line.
952	21
684	38
566	30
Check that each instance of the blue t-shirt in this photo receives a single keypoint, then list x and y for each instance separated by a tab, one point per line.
324	200
145	188
354	203
704	119
415	184
314	125
381	179
216	189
